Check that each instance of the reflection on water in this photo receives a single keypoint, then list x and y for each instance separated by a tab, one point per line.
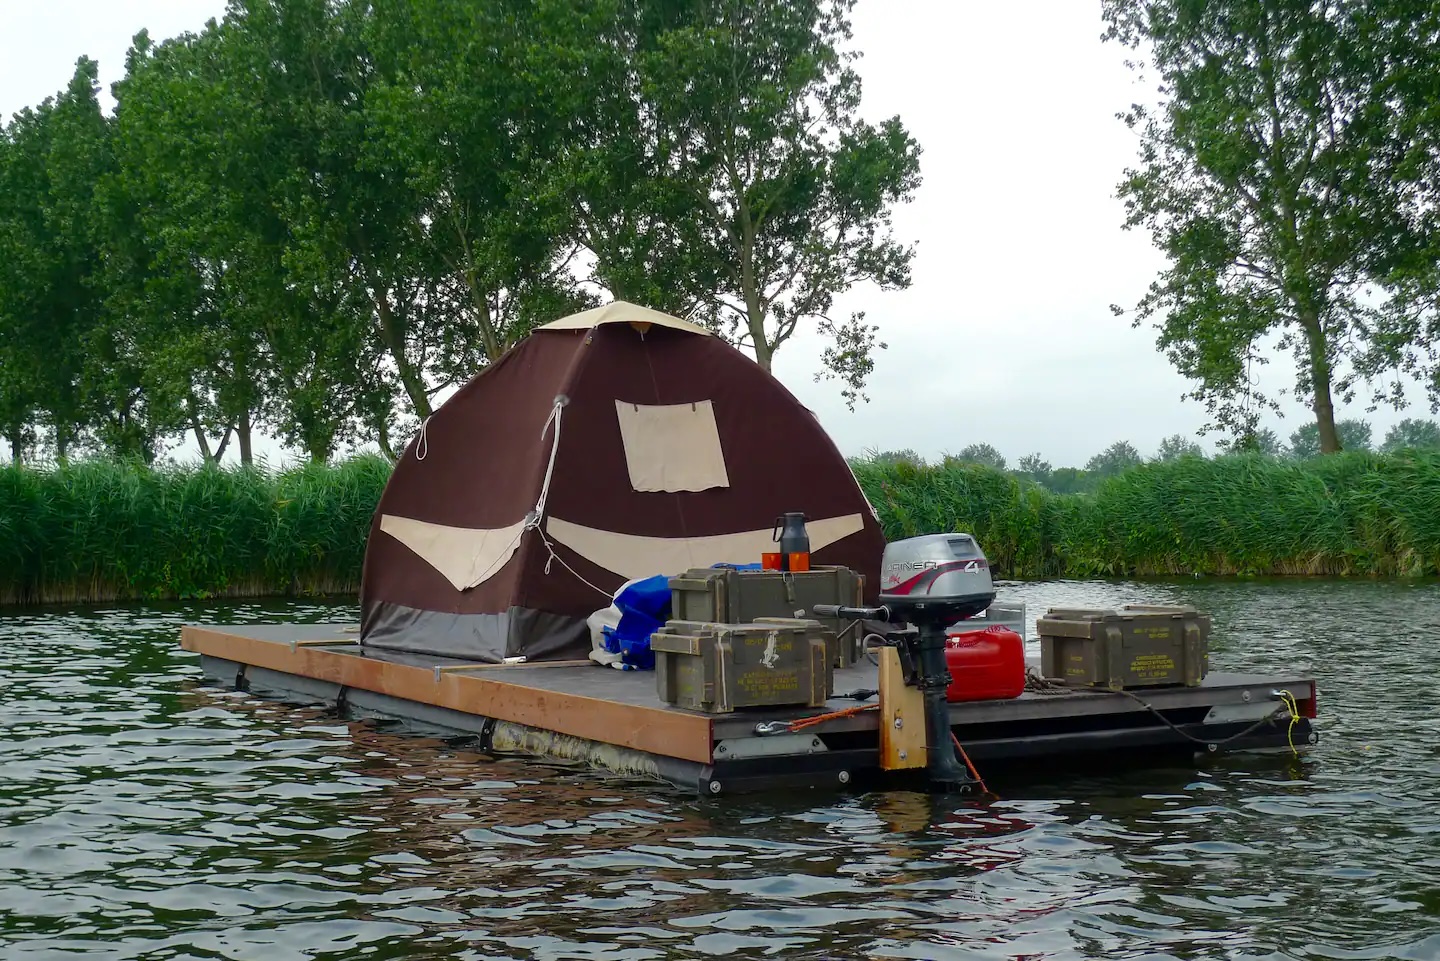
144	818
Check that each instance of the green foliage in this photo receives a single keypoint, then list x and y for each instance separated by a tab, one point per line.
313	216
1238	514
51	299
983	454
1177	446
1034	465
1353	435
1115	459
1287	176
434	108
96	530
99	530
1012	522
723	165
1412	434
192	248
1255	441
1069	480
906	456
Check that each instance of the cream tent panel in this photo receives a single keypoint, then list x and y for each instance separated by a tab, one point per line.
672	448
631	555
623	312
467	556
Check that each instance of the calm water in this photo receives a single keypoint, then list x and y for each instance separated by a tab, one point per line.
142	817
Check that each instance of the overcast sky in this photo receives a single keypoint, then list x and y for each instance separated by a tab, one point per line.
1006	335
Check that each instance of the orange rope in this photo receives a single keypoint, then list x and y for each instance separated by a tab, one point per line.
805	722
973	773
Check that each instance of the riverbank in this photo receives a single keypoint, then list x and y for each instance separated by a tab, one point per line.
99	531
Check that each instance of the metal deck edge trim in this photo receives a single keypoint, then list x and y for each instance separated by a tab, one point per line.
1039	707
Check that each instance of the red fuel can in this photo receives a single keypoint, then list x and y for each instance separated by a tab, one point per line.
985	665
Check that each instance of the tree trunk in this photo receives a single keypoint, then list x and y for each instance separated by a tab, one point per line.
488	334
394	342
756	323
17	447
242	434
200	439
754	311
1322	405
382	436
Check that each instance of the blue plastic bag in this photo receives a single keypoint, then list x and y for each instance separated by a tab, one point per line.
644	608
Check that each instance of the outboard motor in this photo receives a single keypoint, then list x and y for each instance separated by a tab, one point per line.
930	582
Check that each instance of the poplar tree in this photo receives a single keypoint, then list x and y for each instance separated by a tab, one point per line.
1283	176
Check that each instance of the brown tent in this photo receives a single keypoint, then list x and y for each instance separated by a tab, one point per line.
613	444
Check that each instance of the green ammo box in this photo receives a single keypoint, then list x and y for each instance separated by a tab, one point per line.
722	668
726	596
1133	646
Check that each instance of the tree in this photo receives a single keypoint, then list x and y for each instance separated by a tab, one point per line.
51	294
1412	434
1034	465
1069	480
607	167
906	456
341	229
1256	441
184	255
979	454
1177	446
1354	435
1036	468
1281	176
356	268
18	395
455	117
1118	457
720	141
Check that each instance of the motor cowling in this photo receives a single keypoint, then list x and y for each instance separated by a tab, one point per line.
936	579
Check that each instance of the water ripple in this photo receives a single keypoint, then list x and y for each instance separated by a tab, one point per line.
144	818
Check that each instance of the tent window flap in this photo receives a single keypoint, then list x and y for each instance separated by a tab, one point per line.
672	448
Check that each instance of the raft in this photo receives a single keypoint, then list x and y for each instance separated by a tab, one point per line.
614	722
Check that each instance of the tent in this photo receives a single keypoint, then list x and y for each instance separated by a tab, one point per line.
613	444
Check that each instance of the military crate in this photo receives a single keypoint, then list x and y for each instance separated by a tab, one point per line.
1134	646
723	595
722	668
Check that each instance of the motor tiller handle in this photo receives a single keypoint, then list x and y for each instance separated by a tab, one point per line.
854	613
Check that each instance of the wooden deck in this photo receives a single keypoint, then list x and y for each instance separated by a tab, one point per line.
521	694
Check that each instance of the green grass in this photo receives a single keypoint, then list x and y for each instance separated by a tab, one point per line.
100	531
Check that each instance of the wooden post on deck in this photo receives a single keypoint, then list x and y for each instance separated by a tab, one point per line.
902	717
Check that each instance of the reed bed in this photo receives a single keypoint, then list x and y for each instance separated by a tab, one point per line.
100	531
1246	515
